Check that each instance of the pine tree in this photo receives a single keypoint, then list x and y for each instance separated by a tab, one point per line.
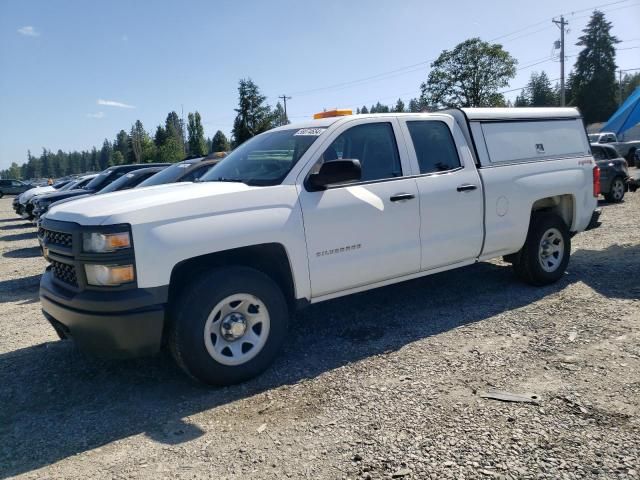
415	105
279	117
539	91
196	142
593	86
253	115
117	159
106	154
220	143
160	137
138	138
364	109
399	108
629	83
122	144
175	129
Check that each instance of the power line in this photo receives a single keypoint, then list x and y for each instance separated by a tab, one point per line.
417	66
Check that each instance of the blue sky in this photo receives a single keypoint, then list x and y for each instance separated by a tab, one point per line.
74	72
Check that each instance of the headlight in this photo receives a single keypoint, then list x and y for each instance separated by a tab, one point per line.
109	275
105	242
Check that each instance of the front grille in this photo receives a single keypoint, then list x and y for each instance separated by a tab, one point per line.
65	273
56	238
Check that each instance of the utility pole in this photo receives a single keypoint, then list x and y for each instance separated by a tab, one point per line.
184	146
561	23
284	100
620	87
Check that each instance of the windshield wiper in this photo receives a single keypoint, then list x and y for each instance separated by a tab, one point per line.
224	179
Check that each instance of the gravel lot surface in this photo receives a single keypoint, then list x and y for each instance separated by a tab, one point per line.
384	384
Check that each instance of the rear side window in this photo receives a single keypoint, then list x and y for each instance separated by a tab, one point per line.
434	146
611	152
598	153
374	144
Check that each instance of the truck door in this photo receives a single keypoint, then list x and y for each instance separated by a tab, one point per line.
451	199
365	232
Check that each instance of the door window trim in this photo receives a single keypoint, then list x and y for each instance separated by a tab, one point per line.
412	151
397	135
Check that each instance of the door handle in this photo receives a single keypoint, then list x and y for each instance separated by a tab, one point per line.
399	197
467	187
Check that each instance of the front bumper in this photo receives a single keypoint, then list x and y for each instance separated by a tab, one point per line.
114	324
595	219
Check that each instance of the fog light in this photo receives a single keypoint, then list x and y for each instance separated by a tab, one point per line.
109	275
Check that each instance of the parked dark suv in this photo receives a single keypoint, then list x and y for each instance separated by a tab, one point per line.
13	187
185	171
614	172
125	182
103	179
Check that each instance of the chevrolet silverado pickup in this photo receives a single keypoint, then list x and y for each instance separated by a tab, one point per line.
309	212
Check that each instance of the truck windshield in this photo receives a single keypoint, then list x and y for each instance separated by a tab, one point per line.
168	175
265	159
594	138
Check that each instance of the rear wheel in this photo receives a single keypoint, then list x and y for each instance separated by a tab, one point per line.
616	192
228	325
1	194
545	254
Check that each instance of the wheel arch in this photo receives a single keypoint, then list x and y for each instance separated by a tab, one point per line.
561	205
269	258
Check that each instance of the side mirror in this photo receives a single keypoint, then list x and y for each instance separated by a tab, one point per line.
335	171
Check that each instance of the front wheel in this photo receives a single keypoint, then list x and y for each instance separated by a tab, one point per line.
616	192
228	325
545	255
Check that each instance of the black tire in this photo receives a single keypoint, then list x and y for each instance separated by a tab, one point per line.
1	194
528	262
616	191
29	211
194	305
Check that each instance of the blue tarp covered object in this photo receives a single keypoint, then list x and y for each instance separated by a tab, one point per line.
627	116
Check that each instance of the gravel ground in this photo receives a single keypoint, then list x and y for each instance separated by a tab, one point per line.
384	384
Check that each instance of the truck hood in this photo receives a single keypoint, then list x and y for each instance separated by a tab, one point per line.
162	203
32	192
57	196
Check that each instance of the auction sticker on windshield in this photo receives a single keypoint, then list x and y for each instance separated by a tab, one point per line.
313	132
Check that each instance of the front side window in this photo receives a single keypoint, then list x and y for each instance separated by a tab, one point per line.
196	173
265	159
373	144
434	146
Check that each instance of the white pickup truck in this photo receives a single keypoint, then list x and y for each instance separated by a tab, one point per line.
627	150
309	212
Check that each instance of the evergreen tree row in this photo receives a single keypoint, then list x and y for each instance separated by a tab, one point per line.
470	75
168	144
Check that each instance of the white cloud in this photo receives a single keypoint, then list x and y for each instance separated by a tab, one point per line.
96	115
113	103
29	31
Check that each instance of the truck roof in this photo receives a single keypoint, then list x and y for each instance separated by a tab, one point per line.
520	113
471	113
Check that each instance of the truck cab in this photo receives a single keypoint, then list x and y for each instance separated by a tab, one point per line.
308	212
